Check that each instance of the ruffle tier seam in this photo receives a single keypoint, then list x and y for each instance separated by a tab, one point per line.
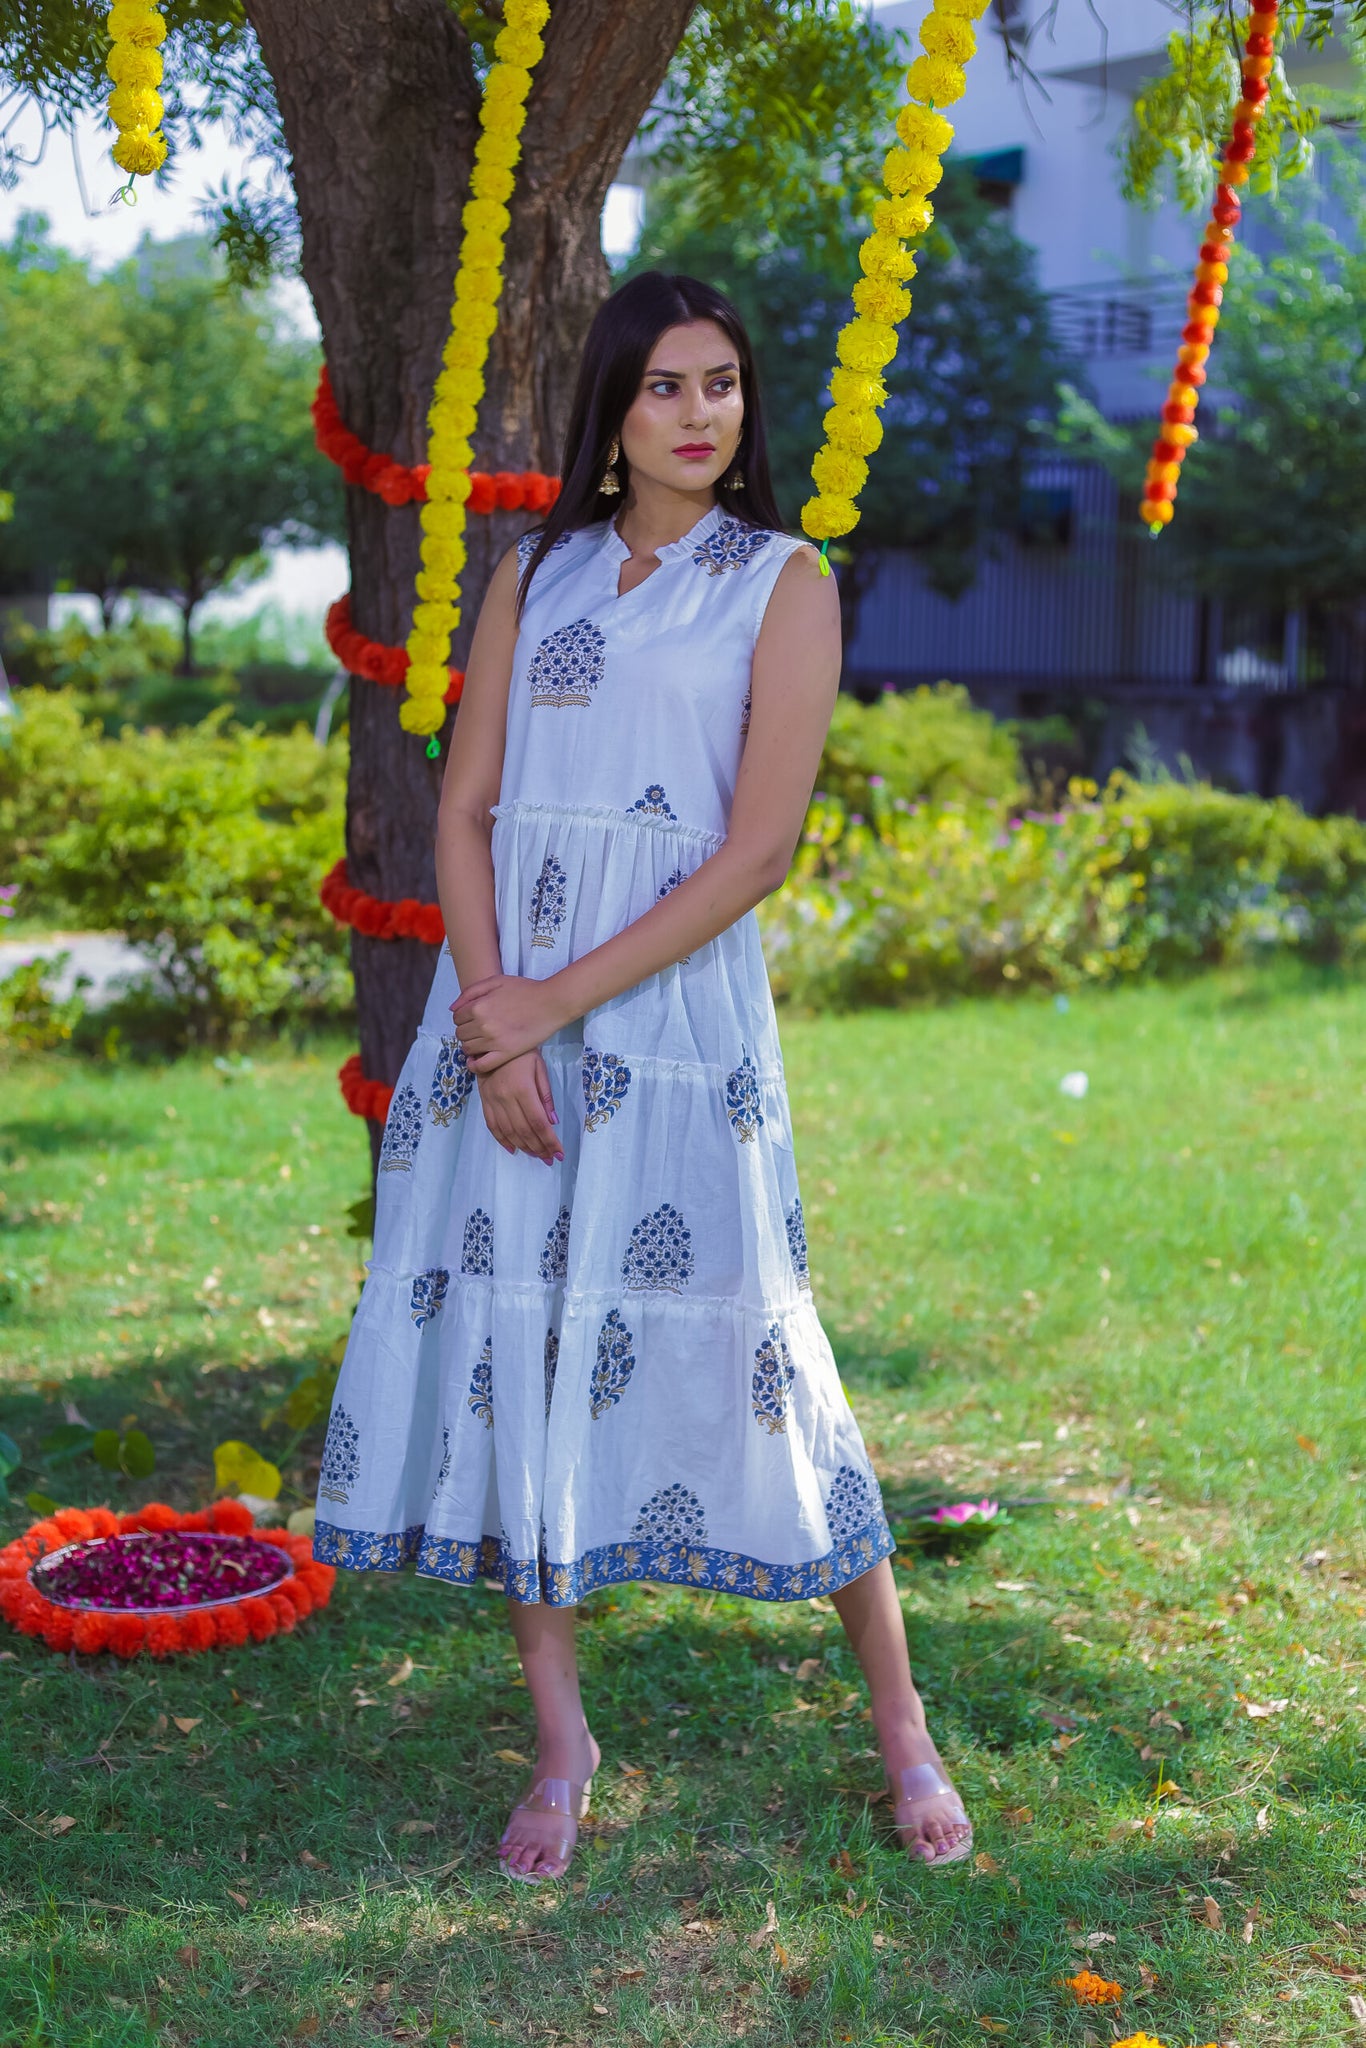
607	814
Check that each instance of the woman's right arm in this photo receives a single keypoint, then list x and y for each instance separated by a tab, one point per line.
516	1096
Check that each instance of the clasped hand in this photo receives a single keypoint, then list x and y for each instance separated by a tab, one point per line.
501	1016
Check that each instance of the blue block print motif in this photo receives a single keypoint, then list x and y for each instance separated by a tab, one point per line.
744	713
774	1373
606	1078
660	1253
796	1243
526	546
654	803
452	1083
730	546
481	1385
672	883
673	1515
850	1504
547	902
429	1291
402	1131
568	665
476	1253
616	1361
341	1458
445	1462
555	1251
552	1359
742	1099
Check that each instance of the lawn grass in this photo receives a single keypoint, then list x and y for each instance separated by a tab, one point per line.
1142	1311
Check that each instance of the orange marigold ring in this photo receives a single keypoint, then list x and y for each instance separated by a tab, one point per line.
371	659
86	1579
376	917
402	483
364	1097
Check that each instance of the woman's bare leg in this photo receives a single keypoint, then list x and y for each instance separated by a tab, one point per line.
564	1748
871	1613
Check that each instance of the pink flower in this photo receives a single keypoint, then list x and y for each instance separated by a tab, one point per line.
967	1511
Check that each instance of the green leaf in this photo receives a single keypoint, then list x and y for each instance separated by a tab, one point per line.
311	1398
137	1456
362	1214
11	1457
41	1503
68	1441
104	1449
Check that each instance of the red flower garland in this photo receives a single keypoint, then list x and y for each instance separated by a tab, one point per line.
371	659
362	1097
376	917
399	483
89	1630
1177	432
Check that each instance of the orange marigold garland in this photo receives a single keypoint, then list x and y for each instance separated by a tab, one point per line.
401	483
377	918
1089	1989
178	1630
364	1097
371	659
1178	432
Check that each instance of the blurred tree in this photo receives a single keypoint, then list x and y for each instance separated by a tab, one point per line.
971	391
154	425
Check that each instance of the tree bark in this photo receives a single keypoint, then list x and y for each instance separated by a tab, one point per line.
380	105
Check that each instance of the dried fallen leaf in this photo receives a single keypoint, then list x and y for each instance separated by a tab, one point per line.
239	1898
988	1865
1356	2006
312	1862
1263	1824
1210	1911
993	2026
188	1957
1010	1585
60	1825
1335	1968
1147	1977
1098	1940
844	1864
510	1756
797	1987
405	1671
1306	1443
784	1960
601	2011
630	1770
418	1827
1254	1914
1255	1712
808	1668
307	2027
760	1935
1018	1816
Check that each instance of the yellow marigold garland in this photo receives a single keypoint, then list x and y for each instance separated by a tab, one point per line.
460	385
868	343
137	32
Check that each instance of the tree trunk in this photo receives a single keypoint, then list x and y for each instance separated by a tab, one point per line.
187	612
380	105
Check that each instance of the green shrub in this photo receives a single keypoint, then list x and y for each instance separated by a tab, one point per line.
1140	878
33	1018
931	742
203	846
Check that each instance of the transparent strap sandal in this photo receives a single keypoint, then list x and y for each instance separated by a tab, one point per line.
560	1796
922	1791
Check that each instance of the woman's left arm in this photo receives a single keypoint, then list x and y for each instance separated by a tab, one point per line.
793	686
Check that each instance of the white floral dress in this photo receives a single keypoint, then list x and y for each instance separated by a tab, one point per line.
613	1368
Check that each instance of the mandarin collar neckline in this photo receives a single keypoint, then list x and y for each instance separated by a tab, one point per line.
616	550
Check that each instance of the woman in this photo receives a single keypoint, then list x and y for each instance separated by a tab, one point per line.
619	1373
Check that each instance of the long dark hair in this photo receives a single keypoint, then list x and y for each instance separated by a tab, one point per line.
625	329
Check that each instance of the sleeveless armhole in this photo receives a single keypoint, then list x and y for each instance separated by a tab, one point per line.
766	572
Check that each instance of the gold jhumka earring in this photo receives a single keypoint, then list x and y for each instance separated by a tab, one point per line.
611	482
736	480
